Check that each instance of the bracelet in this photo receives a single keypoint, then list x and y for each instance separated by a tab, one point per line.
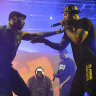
58	31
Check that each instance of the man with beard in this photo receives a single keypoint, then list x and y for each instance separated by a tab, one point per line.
81	34
10	39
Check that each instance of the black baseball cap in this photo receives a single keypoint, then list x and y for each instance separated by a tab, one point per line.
71	8
15	13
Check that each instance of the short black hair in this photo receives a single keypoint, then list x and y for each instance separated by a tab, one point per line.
15	13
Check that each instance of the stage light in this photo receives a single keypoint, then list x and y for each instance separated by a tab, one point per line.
86	94
51	17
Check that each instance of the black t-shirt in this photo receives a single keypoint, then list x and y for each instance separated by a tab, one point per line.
85	53
9	43
40	87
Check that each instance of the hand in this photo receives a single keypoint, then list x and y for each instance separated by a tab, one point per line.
60	30
60	87
37	40
63	22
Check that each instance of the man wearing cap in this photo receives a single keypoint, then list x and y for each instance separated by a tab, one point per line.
40	85
10	39
65	73
80	33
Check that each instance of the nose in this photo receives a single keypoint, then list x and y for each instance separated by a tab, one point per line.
23	23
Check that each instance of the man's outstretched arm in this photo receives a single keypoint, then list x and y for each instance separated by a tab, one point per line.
30	36
57	46
77	36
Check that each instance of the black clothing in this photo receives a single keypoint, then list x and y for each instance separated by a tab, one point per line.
10	80
82	52
85	55
40	87
66	68
9	43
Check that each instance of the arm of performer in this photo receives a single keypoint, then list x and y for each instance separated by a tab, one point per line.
30	36
70	33
77	36
68	78
57	46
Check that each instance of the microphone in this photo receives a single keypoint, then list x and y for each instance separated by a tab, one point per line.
54	77
57	24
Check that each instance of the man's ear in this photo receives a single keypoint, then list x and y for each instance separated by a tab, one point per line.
75	16
15	19
11	21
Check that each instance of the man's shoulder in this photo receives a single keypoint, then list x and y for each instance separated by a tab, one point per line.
32	78
70	59
85	19
47	78
2	27
63	61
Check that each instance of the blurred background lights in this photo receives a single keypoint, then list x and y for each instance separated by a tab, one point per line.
51	17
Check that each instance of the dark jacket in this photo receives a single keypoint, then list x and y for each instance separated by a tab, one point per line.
40	87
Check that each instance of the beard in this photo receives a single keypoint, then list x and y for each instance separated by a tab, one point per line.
40	77
71	21
17	25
